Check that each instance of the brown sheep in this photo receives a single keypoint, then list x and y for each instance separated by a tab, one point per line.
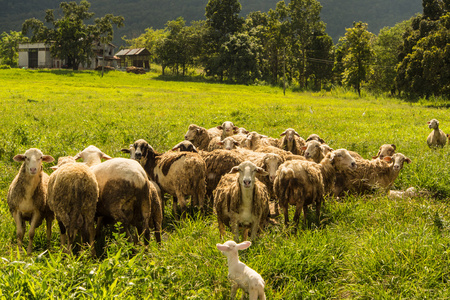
301	183
371	175
292	141
385	150
177	173
72	196
242	200
27	196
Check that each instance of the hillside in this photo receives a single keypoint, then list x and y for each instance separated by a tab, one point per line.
141	14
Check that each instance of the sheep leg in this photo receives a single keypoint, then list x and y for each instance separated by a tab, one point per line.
298	211
235	229
255	227
286	215
245	234
35	222
20	228
49	221
318	205
221	228
157	228
234	287
182	203
253	294
63	234
91	236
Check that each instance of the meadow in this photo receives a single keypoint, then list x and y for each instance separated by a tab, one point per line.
367	247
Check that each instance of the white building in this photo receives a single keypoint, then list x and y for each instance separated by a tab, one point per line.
37	55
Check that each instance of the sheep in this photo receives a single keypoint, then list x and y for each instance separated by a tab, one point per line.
302	183
240	275
385	150
228	143
27	196
292	141
228	129
125	194
177	173
371	175
437	138
198	136
256	140
315	137
241	200
184	146
91	156
72	196
313	151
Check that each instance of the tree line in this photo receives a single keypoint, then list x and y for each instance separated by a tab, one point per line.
287	44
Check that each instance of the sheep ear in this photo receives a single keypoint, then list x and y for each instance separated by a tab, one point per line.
304	148
408	161
194	149
77	156
177	146
47	158
221	247
387	158
374	157
220	143
428	122
296	133
234	169
243	245
284	133
263	136
220	127
19	157
235	129
54	168
236	143
125	150
106	157
261	171
393	146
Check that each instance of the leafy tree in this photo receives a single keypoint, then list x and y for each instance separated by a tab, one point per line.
387	50
70	38
9	47
149	40
319	64
358	56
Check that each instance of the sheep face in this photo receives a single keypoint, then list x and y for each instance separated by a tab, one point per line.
91	155
230	247
433	124
271	164
247	171
193	132
290	134
386	150
312	149
228	129
141	148
242	130
228	143
253	138
33	159
342	160
185	146
397	160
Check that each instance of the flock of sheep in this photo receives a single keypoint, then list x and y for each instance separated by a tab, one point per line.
246	177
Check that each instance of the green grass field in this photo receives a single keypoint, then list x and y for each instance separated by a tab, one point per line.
365	247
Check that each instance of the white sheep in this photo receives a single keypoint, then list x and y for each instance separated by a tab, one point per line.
301	183
125	194
72	196
241	200
241	275
437	138
27	196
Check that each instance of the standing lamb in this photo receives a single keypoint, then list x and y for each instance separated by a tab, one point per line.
179	174
437	138
240	275
242	200
27	196
302	183
72	196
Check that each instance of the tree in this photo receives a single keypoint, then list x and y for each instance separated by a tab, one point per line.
70	38
9	47
357	60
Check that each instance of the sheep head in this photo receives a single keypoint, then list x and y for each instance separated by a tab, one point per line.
228	128
193	132
185	146
142	149
342	160
91	156
385	150
271	162
33	159
433	124
290	134
230	248
397	161
312	149
228	143
315	137
247	172
63	160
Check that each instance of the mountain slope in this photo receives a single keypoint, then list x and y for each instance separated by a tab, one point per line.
142	14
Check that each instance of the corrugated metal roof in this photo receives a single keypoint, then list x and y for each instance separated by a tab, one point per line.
127	52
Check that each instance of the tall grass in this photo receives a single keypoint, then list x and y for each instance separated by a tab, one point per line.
364	247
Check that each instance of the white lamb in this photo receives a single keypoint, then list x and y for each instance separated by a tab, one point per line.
240	275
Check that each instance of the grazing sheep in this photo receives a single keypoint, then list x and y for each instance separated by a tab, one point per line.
302	183
242	200
177	173
385	150
256	140
27	196
371	175
125	195
240	275
292	141
72	196
315	137
437	138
